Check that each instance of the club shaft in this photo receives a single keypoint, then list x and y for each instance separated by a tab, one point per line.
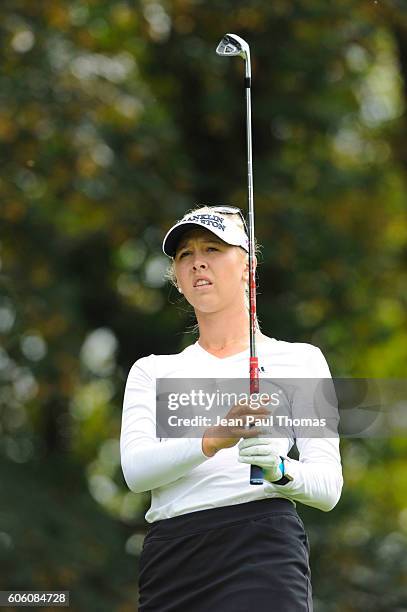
256	473
252	279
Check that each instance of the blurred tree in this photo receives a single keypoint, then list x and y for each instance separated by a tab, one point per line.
116	117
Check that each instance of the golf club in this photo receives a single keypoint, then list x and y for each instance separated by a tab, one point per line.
231	45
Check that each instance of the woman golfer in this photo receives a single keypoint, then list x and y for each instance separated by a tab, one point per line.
217	543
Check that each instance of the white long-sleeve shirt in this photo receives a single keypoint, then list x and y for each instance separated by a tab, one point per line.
181	477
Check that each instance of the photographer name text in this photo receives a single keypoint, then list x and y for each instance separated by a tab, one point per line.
246	421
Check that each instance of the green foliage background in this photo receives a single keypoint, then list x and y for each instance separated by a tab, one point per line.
116	117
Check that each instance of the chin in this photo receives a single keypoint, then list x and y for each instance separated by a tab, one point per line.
207	308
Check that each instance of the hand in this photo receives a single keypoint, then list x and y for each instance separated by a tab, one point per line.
225	436
264	453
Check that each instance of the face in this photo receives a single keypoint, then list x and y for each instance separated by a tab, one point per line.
211	274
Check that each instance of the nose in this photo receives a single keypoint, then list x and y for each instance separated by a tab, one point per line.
199	263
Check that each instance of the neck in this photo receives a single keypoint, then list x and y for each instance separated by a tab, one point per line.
224	333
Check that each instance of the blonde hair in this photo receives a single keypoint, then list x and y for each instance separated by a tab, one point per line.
236	219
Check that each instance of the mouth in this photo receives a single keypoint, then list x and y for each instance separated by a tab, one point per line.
202	283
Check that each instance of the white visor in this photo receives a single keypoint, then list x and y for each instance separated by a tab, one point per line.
219	224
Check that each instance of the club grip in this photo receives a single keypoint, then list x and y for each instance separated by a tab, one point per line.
256	475
254	375
256	472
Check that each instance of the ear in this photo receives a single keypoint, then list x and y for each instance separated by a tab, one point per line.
175	281
246	269
177	285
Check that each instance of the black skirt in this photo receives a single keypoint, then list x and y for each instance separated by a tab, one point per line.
252	556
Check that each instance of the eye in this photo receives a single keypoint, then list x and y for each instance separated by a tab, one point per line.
212	248
183	254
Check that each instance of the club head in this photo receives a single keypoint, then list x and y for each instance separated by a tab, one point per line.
231	44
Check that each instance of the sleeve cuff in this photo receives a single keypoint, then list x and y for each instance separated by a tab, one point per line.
196	448
293	470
